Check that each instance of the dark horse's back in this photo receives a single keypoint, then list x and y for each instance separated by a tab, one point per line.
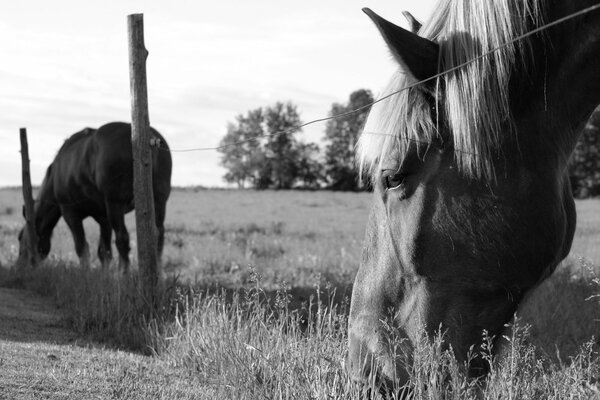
113	170
92	176
97	165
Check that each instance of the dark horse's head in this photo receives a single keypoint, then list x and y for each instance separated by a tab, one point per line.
43	247
472	204
46	214
43	236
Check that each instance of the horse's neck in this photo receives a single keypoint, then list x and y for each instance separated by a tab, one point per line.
567	84
47	211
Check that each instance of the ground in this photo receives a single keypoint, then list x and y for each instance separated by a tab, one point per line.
40	359
297	239
28	318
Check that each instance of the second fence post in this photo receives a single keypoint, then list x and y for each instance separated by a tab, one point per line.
142	162
32	243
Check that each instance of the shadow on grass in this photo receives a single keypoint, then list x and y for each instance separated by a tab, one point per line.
92	306
105	307
27	317
303	301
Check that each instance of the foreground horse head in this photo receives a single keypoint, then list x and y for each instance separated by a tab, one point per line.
472	202
92	176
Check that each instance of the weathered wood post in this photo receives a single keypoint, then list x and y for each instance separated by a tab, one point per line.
32	253
142	162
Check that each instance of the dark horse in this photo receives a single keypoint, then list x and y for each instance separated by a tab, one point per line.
472	203
92	176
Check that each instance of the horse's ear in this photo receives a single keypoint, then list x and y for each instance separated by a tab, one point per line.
416	55
415	25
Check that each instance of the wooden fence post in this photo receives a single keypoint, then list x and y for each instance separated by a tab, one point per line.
142	162
32	253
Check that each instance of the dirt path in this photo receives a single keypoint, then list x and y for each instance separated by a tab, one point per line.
26	317
32	342
41	359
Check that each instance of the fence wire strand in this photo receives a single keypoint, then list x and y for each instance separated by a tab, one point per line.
436	76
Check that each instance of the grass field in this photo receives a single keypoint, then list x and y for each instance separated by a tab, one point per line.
213	236
284	246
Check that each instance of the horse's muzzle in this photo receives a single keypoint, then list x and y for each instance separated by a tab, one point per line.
378	365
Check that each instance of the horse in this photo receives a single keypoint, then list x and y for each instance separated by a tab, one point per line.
472	206
92	176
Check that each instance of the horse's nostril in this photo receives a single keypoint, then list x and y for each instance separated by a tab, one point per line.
372	374
360	361
378	364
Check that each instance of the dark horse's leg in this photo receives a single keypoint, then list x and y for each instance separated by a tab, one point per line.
74	221
160	207
104	245
116	216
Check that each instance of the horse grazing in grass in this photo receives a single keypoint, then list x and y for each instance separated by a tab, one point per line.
92	176
472	204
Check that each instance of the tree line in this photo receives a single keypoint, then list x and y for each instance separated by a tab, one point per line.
584	167
263	150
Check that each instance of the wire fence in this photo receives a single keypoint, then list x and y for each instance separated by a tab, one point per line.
366	106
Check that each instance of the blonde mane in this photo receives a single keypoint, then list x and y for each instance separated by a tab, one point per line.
475	96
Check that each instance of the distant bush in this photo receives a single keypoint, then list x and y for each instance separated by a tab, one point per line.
584	169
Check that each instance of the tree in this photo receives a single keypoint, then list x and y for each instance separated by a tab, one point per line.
241	149
261	149
341	135
309	168
281	145
584	168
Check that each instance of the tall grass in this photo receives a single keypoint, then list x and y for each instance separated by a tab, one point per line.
249	345
253	341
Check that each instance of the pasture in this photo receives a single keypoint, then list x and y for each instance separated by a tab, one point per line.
301	251
214	235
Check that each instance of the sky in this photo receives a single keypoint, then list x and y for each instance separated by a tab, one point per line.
65	67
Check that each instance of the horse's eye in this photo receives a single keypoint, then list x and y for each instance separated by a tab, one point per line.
393	181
